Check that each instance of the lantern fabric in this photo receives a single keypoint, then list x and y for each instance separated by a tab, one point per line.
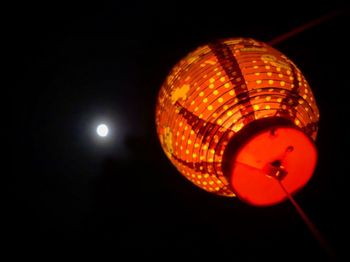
214	96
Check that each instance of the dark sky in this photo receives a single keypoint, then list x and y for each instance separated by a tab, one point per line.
77	65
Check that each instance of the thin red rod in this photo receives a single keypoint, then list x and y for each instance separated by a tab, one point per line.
281	38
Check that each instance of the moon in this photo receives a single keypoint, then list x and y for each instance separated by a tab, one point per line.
102	130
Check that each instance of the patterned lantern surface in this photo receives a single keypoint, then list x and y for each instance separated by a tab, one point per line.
234	113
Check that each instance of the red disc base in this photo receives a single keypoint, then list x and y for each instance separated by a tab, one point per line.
275	153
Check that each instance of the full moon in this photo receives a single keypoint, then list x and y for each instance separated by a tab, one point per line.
102	130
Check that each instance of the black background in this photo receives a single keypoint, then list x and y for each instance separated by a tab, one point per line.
77	64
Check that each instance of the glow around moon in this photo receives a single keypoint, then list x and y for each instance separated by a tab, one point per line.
102	130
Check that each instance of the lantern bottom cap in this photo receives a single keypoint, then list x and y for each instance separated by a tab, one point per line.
268	155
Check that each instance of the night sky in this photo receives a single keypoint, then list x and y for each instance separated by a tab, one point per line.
79	65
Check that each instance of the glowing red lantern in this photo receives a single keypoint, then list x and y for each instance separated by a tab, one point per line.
235	115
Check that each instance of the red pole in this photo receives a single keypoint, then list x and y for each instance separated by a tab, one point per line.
281	38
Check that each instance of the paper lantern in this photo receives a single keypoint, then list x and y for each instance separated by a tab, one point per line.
236	117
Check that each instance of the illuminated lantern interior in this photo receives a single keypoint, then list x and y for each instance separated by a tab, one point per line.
237	117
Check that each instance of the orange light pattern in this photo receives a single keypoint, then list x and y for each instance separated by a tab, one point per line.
215	91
